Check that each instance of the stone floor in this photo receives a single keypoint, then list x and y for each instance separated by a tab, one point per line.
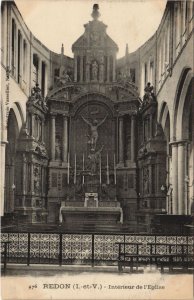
78	282
52	270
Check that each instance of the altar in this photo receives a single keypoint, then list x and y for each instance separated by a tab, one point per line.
91	214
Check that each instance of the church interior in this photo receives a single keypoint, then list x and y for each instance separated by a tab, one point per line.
94	143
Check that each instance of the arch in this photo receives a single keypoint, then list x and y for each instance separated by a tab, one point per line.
178	98
19	114
86	98
164	119
11	147
182	132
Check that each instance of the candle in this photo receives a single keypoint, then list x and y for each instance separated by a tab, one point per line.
68	169
107	167
83	170
115	174
100	170
75	170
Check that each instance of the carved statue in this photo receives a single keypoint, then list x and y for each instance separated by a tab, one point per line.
94	131
94	70
149	94
62	79
93	160
58	149
36	92
37	98
146	180
36	180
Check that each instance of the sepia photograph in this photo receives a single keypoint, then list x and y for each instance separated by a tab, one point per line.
97	149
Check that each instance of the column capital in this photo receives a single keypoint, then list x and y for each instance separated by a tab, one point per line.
133	116
53	115
120	117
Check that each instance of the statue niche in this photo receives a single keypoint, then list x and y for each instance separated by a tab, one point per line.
94	71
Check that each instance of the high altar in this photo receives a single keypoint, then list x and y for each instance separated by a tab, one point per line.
78	152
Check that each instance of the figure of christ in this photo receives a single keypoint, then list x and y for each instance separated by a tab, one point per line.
94	131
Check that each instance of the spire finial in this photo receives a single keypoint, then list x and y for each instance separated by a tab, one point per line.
126	50
95	14
62	49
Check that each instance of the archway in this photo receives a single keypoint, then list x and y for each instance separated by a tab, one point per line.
164	120
183	134
12	136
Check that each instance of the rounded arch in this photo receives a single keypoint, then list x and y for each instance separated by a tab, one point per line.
179	98
10	157
164	119
184	108
19	114
88	98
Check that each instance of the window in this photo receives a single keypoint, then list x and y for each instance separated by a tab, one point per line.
13	46
24	61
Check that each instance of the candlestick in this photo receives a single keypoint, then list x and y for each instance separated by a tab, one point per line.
100	170
107	167
68	168
75	170
83	170
115	174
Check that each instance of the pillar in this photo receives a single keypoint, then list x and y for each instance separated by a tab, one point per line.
43	130
24	176
108	68
174	178
75	68
53	137
181	178
65	138
101	71
121	142
81	68
40	73
2	177
132	138
87	72
113	70
32	124
151	126
32	177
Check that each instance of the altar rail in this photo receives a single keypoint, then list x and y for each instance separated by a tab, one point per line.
76	248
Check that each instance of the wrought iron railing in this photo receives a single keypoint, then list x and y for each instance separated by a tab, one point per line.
88	248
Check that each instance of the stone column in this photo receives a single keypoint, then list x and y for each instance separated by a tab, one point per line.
32	177
174	178
151	126
53	137
108	68
24	176
132	138
65	138
121	142
101	71
113	70
2	178
40	73
87	72
32	124
181	178
81	68
43	130
75	68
